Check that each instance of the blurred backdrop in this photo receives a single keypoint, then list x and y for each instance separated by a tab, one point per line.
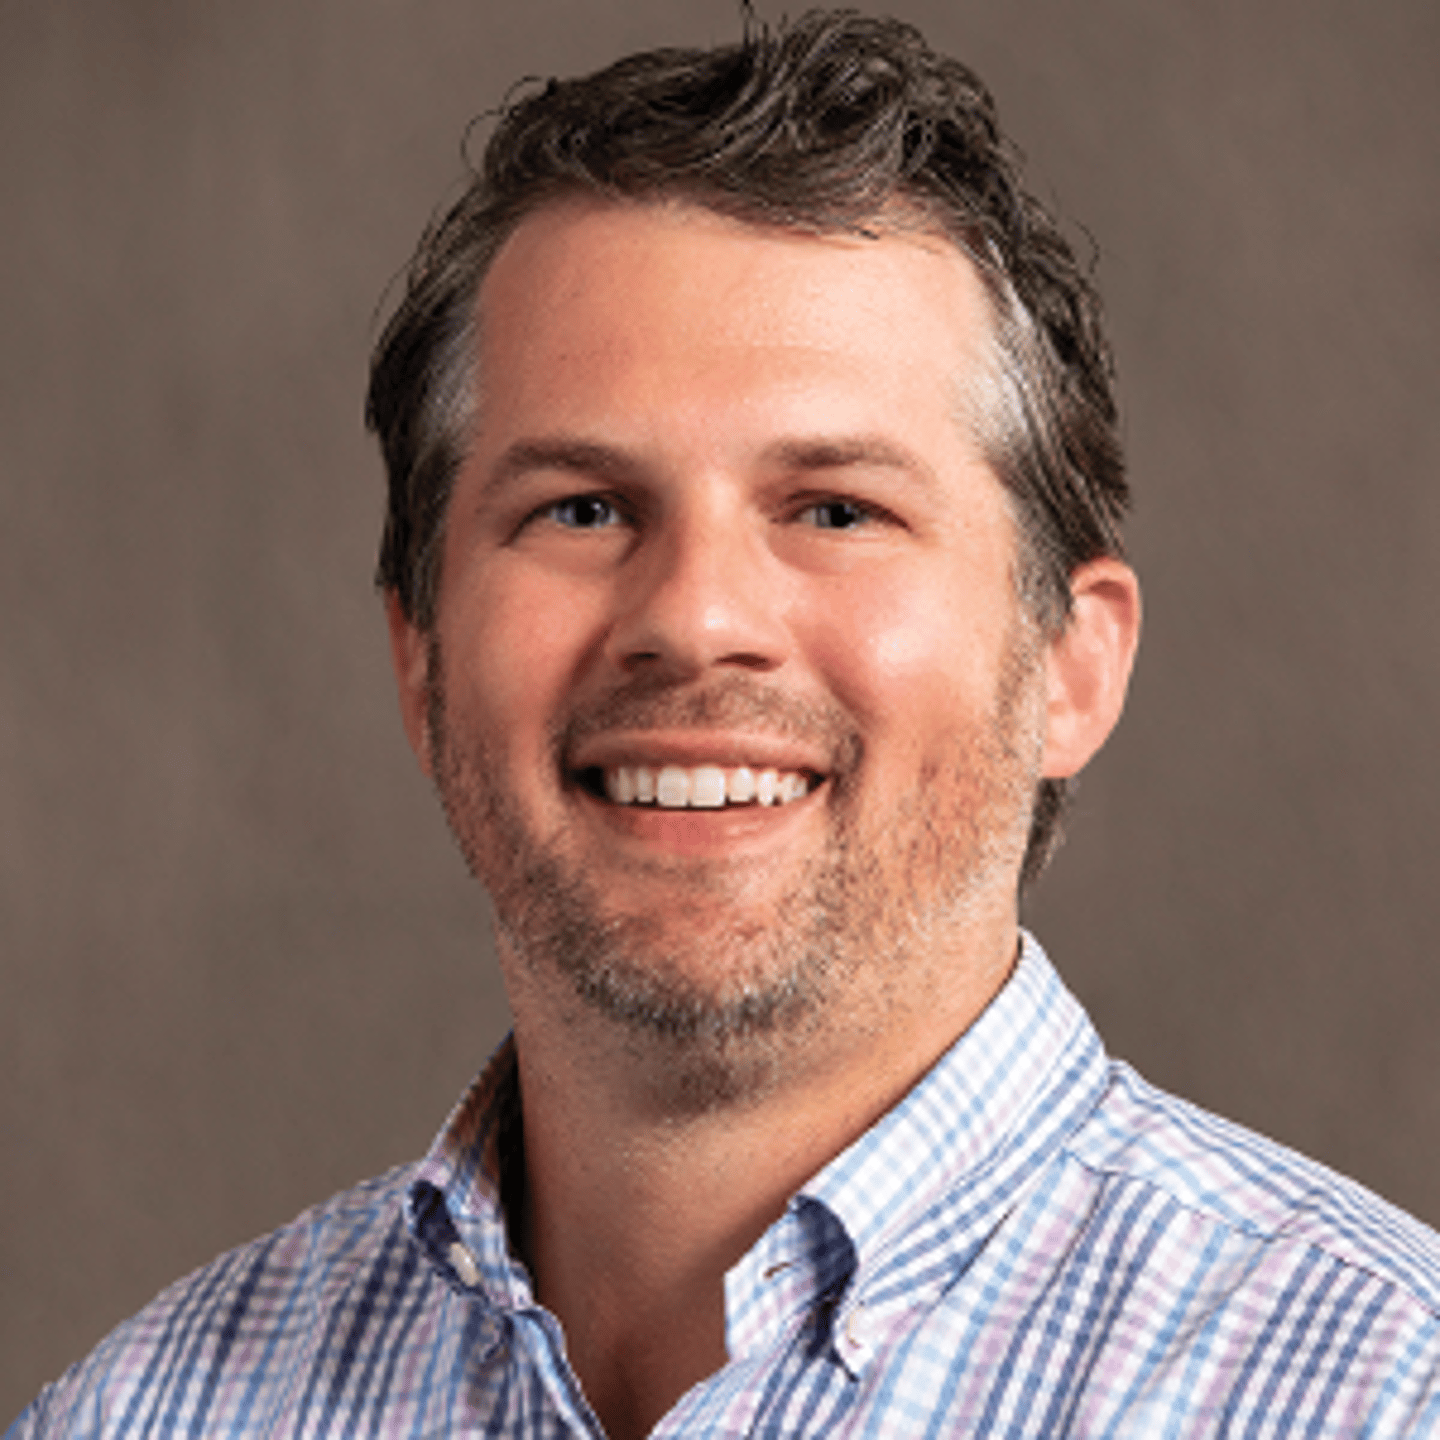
240	964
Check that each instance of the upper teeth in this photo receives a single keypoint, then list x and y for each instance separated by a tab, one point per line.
674	787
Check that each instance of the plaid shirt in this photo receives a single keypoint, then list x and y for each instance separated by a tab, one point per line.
1034	1242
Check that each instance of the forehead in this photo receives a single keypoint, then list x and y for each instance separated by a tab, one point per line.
597	293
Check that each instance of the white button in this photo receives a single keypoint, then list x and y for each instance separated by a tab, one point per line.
855	1328
464	1264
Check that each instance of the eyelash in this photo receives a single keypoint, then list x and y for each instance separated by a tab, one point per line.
552	511
571	513
857	514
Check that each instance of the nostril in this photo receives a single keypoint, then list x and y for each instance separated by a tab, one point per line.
750	660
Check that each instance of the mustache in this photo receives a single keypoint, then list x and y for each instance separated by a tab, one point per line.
736	702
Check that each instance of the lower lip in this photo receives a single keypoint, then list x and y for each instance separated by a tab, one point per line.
701	832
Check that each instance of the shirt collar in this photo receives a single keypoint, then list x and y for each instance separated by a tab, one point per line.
988	1114
1005	1090
953	1155
454	1196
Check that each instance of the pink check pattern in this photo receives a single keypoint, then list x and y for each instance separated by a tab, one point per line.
1034	1243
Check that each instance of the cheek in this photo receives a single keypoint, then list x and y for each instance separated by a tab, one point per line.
906	659
511	651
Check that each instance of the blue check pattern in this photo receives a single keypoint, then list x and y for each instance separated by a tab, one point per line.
1034	1242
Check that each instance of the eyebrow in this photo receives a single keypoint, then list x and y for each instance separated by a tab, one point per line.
841	453
579	457
615	466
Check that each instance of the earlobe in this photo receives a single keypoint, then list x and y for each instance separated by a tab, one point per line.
410	655
1088	664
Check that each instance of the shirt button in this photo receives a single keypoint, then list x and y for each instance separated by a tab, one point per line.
463	1263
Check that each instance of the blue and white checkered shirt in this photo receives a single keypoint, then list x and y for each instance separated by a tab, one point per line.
1034	1242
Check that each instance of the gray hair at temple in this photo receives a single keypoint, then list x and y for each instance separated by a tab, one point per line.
835	122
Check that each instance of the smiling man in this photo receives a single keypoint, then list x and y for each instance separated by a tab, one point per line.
754	585
737	711
730	694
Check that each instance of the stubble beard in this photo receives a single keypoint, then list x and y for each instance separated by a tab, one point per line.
724	1032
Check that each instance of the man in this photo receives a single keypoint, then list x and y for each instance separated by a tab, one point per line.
754	585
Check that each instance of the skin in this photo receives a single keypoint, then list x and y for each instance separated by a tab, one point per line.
720	508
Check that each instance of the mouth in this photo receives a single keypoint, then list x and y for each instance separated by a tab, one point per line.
697	787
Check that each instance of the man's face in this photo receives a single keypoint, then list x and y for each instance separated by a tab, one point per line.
723	530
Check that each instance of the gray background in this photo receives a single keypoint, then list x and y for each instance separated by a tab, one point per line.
241	965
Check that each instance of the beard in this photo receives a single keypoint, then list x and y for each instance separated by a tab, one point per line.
877	894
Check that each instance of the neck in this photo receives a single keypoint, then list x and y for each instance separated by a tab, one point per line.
643	1190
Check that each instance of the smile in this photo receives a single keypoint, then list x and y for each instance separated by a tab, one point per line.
703	787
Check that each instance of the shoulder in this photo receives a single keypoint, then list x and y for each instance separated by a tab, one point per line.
1230	1180
232	1326
1168	1272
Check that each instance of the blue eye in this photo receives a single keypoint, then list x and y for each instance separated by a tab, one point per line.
583	512
835	515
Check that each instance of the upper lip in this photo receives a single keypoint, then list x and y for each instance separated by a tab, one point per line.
688	748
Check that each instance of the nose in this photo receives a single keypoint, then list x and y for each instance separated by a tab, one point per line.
703	589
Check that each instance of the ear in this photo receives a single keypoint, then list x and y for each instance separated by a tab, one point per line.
1088	664
410	655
